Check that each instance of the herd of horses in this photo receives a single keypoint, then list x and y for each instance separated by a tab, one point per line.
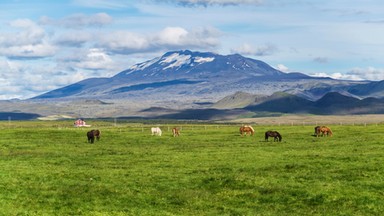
319	131
244	130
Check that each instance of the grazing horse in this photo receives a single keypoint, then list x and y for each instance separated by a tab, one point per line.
175	132
326	131
247	129
156	131
323	131
276	135
92	134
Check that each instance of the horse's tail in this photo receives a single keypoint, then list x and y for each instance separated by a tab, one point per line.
266	135
317	130
330	132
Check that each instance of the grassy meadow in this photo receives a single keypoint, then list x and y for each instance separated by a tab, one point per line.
48	168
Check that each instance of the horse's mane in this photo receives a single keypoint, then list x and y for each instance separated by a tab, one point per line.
253	130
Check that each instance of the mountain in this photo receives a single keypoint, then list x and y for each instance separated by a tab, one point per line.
197	85
371	89
189	76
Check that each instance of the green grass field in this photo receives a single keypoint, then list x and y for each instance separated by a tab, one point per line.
48	168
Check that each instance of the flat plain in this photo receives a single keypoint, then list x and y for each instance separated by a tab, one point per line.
48	168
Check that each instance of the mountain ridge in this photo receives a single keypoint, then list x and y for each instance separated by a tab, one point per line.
190	82
213	77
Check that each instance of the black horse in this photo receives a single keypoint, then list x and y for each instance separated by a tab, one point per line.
92	134
276	135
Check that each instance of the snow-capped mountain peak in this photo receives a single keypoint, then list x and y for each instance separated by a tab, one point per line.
186	64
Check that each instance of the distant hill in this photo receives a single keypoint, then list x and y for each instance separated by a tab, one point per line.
238	100
371	89
332	103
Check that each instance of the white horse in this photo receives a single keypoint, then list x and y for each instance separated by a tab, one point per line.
156	131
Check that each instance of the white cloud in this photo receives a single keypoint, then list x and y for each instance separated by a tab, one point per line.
79	20
124	42
169	38
73	38
28	51
19	80
181	38
95	59
282	68
369	73
247	49
28	41
24	32
172	36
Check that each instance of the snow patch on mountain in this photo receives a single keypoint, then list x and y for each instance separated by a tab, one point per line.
200	60
142	66
175	60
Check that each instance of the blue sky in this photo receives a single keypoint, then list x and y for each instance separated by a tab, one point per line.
45	45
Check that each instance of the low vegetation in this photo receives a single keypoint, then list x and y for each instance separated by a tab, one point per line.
48	168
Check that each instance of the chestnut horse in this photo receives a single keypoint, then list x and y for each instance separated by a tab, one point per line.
276	135
323	131
92	134
175	132
247	129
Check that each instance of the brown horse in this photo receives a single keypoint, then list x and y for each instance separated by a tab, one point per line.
92	134
175	132
326	131
276	136
247	129
323	131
